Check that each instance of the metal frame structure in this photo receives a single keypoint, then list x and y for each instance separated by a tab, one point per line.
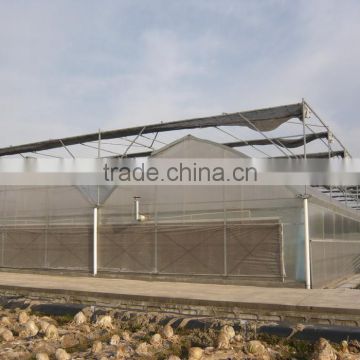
304	130
289	131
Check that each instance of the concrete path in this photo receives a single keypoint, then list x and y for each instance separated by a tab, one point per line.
345	301
352	282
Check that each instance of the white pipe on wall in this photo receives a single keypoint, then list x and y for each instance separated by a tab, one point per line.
95	238
138	216
137	209
307	244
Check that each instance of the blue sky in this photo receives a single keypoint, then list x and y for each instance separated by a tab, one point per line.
71	67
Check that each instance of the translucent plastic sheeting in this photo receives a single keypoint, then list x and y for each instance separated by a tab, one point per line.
45	228
47	248
24	206
210	248
183	204
126	248
335	245
235	248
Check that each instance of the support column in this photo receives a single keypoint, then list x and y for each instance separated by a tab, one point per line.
137	208
95	238
225	246
303	118
307	244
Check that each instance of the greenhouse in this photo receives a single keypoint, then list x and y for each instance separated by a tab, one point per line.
261	235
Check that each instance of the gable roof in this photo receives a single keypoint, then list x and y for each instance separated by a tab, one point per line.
191	146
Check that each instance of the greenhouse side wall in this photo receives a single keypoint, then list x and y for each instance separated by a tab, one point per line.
335	243
48	228
243	232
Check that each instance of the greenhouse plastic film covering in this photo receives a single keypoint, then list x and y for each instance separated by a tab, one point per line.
242	232
335	245
45	228
235	248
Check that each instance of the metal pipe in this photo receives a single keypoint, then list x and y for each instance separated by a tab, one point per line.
99	144
322	122
254	127
137	208
66	148
307	244
102	149
95	238
99	155
133	141
303	118
244	141
225	246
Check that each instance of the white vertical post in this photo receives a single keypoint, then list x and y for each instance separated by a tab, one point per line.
303	118
225	245
307	244
95	236
137	208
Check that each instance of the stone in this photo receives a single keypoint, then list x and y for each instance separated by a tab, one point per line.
238	338
43	346
43	326
42	356
142	349
61	354
88	311
97	347
156	340
223	341
6	334
48	319
31	328
85	328
126	336
209	350
16	355
228	331
115	340
23	317
299	327
51	332
80	318
5	321
324	351
195	353
168	331
105	322
354	346
173	357
69	340
344	346
256	348
24	333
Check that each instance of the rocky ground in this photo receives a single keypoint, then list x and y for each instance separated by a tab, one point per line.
101	335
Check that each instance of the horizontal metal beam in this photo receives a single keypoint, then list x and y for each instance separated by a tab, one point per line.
350	191
319	155
283	142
